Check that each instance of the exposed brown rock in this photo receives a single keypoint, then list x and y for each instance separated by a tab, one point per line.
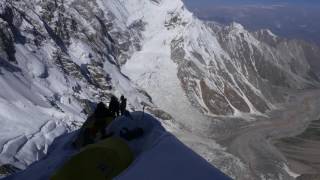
235	99
216	102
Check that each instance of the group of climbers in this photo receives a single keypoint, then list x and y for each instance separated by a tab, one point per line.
94	127
115	107
103	155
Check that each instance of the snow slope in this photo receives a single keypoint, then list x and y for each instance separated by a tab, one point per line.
28	121
152	67
158	155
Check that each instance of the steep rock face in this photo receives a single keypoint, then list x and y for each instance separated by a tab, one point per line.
251	68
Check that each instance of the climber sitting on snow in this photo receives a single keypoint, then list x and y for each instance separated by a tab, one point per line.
95	126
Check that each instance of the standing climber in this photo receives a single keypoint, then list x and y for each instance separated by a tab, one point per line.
103	118
114	106
123	105
96	123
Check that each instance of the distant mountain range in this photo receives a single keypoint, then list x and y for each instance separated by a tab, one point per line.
204	3
290	19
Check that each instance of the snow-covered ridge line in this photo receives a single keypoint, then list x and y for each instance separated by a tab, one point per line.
158	155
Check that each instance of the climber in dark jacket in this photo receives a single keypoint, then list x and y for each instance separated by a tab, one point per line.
96	123
102	116
114	106
123	105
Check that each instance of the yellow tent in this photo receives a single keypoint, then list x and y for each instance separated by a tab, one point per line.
100	161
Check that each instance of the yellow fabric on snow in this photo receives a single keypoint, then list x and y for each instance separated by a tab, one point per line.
102	161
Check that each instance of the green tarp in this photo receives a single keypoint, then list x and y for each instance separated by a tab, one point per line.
100	161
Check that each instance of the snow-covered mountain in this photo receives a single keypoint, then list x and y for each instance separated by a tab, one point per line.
59	57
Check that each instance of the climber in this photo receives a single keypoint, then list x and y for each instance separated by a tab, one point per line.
96	123
103	118
114	106
123	105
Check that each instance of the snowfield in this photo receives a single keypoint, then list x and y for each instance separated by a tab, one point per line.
28	122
